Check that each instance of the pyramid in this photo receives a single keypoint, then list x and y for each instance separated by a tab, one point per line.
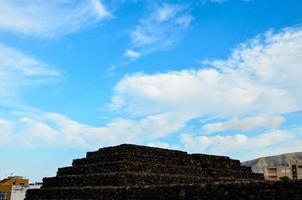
138	172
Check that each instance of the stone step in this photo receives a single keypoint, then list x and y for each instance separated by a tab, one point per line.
216	161
242	173
107	193
127	166
119	179
136	150
215	191
176	160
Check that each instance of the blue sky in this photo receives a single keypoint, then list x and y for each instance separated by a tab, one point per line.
211	76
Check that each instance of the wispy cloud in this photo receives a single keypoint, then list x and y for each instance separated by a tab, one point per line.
218	1
132	54
246	124
18	70
161	27
213	1
50	18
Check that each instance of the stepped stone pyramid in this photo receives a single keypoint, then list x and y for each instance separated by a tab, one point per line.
137	172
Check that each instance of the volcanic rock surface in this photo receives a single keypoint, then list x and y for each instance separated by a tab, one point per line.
138	172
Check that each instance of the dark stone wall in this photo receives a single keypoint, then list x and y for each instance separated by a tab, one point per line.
221	191
137	172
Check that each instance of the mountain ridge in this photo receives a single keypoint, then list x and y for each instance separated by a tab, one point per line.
260	165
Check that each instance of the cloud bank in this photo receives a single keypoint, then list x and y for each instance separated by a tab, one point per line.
258	84
262	76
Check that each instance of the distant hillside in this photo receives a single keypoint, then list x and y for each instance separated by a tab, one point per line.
259	165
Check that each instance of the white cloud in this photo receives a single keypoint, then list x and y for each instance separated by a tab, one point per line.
99	8
49	18
245	147
261	77
132	54
253	88
165	145
160	28
55	130
258	83
18	70
246	124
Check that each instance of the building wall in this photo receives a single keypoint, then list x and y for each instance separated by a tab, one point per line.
300	171
284	171
18	192
275	173
6	189
14	187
